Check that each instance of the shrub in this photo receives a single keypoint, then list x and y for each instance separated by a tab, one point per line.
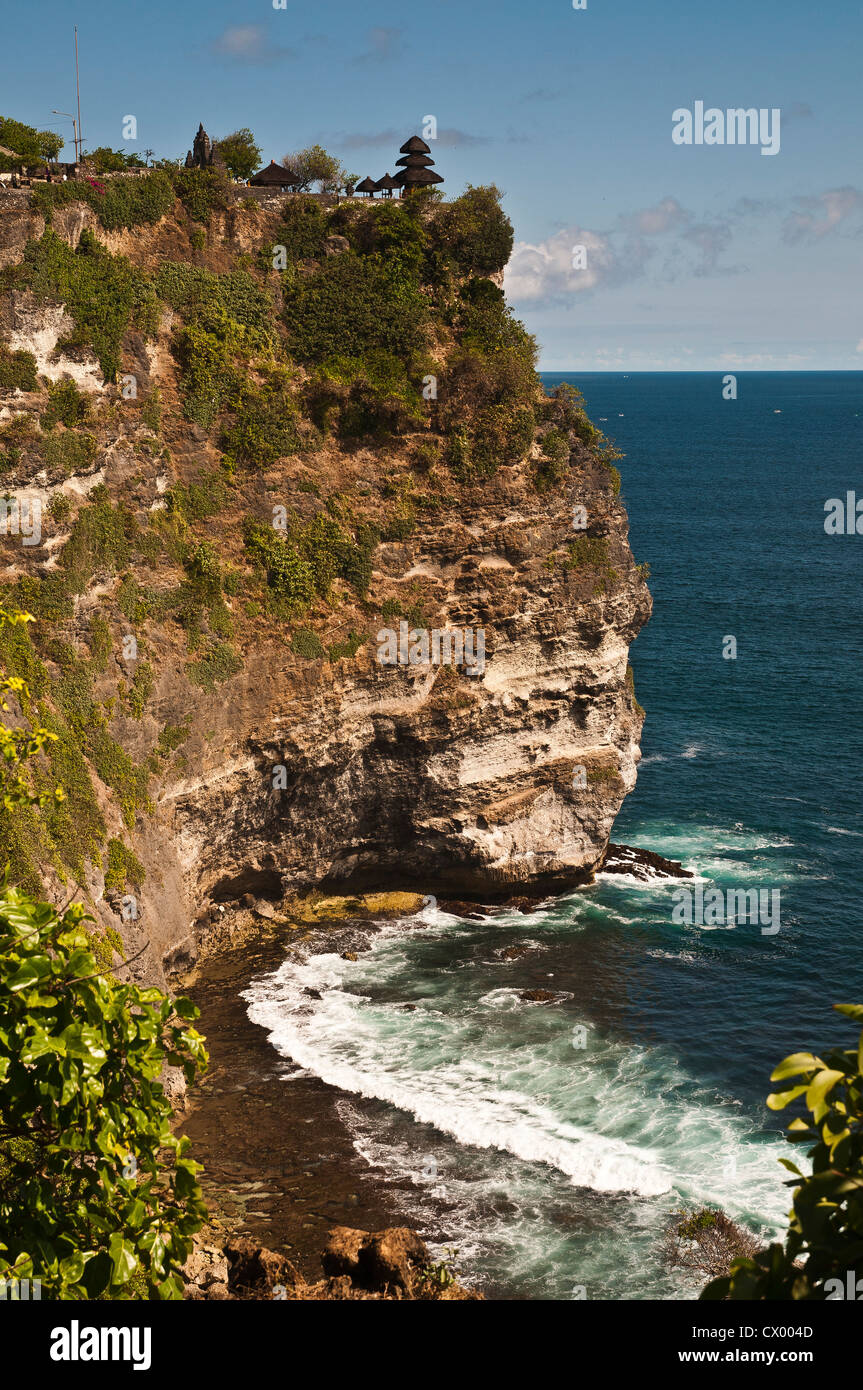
172	737
368	395
88	1202
71	451
391	230
17	371
124	867
565	407
302	231
354	305
140	690
304	563
209	376
104	294
66	405
587	551
202	297
204	497
823	1248
707	1241
552	465
151	411
118	203
474	232
348	647
491	390
307	644
218	664
101	540
264	428
201	191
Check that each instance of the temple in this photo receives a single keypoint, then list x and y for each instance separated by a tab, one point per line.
204	154
415	172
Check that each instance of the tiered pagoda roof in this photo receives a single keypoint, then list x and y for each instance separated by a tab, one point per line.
414	171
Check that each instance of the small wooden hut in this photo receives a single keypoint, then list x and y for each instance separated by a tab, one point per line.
368	186
386	185
275	176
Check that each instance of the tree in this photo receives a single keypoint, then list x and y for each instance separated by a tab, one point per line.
49	144
97	1195
88	1203
104	160
476	232
822	1255
240	153
315	166
26	141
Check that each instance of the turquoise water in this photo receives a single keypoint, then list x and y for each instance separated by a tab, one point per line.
552	1142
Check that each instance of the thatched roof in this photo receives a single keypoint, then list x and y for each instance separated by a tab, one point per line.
274	176
387	182
417	178
368	185
10	154
414	146
415	161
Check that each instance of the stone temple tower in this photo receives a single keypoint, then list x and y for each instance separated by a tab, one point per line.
203	154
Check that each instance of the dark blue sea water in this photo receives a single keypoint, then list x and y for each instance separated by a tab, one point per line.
553	1143
726	503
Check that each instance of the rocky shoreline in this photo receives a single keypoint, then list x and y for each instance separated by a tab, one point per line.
280	1168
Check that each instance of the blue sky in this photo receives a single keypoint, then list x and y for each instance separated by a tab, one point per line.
697	256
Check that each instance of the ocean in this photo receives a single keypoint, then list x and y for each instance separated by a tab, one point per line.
553	1143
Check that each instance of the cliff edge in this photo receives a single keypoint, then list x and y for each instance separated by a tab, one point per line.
327	592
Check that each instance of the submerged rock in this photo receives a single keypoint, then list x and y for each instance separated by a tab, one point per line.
641	863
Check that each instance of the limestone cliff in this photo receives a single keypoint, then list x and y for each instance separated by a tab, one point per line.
252	740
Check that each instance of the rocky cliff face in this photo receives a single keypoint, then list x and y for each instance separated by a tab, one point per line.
288	771
424	776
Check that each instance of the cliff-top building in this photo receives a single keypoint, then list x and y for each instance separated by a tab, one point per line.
204	154
416	172
275	176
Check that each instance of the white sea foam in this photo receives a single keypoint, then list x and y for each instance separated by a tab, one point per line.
608	1118
454	1095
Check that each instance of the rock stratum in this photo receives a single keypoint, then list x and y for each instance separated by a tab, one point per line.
270	499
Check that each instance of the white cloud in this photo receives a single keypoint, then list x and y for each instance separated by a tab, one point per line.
546	271
383	44
821	214
248	43
666	215
666	232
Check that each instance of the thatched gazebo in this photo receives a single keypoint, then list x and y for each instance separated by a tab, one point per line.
274	176
416	171
415	146
368	185
386	185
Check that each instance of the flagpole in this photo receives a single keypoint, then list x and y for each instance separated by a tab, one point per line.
80	141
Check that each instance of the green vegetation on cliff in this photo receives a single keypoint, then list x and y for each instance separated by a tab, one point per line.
346	326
